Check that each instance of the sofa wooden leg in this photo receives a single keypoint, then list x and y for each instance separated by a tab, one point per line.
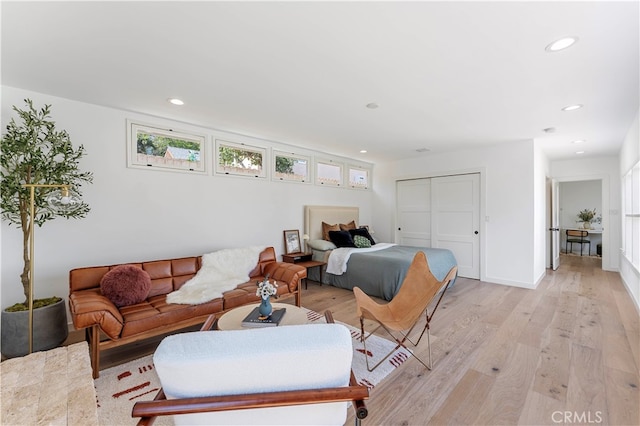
93	336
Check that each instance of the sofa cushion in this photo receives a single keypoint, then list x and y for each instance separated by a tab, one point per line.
125	285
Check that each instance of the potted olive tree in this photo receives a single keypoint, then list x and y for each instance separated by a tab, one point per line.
33	152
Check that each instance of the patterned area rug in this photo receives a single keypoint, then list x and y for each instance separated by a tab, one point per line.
118	388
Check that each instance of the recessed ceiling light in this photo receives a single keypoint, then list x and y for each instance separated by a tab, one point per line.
175	101
561	44
578	141
579	152
372	105
363	151
572	107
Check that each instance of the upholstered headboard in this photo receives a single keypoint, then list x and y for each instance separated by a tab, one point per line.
315	215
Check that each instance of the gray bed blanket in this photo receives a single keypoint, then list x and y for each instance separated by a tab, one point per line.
380	273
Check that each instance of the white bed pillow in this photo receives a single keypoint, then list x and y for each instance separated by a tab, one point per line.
321	245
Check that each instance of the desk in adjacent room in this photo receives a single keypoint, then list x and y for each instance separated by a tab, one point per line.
595	237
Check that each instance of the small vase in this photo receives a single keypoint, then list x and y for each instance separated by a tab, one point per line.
265	307
586	225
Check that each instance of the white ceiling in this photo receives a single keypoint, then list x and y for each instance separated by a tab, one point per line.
446	75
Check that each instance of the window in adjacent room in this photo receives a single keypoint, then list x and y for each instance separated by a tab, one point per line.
359	177
155	147
290	167
240	159
328	173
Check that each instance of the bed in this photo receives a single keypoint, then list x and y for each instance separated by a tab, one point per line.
379	270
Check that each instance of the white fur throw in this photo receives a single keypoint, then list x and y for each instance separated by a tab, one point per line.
221	271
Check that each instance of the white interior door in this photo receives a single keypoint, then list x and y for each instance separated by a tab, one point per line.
555	224
414	212
455	220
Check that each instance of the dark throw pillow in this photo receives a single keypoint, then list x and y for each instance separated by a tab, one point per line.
363	233
126	285
341	238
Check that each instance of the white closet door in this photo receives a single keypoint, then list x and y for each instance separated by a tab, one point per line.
414	213
455	220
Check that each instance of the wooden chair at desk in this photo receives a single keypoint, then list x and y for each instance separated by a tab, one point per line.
577	237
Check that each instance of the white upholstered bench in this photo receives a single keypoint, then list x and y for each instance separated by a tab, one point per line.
240	365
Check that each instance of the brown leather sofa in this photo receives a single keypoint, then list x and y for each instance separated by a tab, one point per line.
108	326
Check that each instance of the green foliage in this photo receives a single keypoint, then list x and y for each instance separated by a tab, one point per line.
284	165
34	152
236	157
587	215
38	303
151	144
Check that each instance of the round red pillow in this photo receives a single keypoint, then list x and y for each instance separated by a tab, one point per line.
126	285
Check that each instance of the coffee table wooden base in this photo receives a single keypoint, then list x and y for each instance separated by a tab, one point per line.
232	320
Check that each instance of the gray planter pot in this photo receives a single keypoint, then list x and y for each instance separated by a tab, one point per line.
49	330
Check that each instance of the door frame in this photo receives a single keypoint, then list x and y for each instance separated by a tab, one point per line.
606	219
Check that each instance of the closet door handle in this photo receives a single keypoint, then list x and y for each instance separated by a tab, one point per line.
476	232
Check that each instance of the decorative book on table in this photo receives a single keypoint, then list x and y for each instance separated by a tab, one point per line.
254	319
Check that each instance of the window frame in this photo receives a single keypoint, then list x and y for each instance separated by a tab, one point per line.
142	161
359	168
219	169
329	162
275	174
631	215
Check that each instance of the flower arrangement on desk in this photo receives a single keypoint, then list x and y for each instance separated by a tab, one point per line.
267	289
587	216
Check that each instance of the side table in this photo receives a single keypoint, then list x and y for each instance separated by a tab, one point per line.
304	259
312	264
296	257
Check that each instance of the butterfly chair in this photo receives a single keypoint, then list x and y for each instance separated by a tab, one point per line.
299	374
401	315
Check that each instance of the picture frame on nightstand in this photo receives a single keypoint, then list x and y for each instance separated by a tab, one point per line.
292	241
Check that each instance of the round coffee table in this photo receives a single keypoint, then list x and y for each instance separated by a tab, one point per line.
232	320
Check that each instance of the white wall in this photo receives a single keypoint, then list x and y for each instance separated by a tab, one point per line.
629	156
604	169
576	196
506	200
144	214
541	215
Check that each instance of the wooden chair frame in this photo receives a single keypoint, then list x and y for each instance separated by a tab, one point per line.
148	411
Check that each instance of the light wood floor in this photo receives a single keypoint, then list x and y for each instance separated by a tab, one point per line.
565	353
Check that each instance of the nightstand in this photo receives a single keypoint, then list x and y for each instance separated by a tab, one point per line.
296	257
304	259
